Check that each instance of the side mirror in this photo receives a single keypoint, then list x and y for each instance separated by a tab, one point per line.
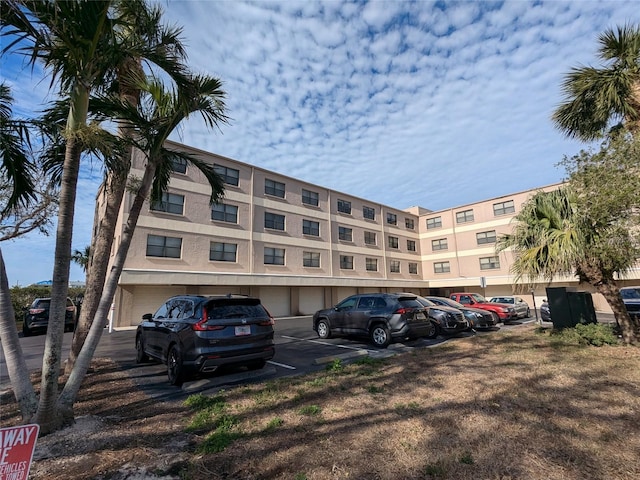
147	316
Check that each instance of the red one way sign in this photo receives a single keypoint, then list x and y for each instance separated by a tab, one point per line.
16	451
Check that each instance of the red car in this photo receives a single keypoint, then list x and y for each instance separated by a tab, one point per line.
505	312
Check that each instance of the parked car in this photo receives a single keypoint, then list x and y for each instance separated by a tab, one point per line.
505	312
36	316
476	317
545	313
631	298
383	317
521	307
193	333
446	320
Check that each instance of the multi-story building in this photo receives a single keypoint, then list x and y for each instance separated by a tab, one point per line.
301	247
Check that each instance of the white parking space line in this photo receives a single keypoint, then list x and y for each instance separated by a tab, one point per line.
290	367
348	347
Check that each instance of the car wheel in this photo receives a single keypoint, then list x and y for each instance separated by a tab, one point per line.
433	330
257	365
26	332
141	357
323	329
175	370
380	335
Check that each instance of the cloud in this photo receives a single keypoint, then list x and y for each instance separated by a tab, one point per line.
436	104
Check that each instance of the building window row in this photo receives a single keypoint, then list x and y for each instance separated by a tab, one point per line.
486	263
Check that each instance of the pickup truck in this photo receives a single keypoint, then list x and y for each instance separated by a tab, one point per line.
505	312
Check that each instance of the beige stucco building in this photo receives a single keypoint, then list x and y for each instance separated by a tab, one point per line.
301	247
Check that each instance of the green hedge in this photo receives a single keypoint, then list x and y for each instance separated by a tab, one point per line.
23	297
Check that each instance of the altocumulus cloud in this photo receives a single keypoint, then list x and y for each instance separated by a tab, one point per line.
435	104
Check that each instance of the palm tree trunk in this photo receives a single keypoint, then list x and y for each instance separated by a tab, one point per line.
72	386
99	260
611	293
47	416
16	364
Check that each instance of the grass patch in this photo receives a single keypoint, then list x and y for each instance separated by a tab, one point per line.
310	410
595	334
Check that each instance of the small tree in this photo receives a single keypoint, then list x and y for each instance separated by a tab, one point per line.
589	227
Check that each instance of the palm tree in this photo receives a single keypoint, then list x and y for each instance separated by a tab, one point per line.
551	236
81	257
162	48
157	117
81	43
598	99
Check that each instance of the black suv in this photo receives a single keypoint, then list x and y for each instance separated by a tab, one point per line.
193	333
380	316
446	320
36	316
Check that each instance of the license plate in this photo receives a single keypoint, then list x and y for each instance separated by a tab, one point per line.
420	316
243	330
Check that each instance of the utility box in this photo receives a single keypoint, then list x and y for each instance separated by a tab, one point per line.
569	307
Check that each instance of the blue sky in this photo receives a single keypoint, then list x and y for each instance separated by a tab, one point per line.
435	104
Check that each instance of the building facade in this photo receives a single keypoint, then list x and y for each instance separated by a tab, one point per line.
301	247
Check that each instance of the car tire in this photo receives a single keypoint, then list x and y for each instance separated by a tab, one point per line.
175	369
323	329
380	335
141	357
26	331
433	331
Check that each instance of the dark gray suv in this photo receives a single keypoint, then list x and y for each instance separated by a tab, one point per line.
192	333
382	317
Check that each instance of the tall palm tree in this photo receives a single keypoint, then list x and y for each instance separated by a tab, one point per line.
599	99
551	236
81	257
156	117
81	43
163	48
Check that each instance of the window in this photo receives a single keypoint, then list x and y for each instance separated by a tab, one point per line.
230	176
394	266
273	221
309	227
344	206
441	267
413	268
372	264
393	242
435	222
369	213
464	216
411	245
224	213
486	237
392	219
310	198
345	234
170	203
168	247
273	256
179	165
369	238
489	263
409	223
310	259
271	187
503	208
223	252
346	262
439	244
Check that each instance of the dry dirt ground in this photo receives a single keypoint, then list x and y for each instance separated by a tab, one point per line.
517	405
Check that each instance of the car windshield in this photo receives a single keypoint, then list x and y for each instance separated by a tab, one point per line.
502	300
426	302
479	298
454	304
630	293
235	311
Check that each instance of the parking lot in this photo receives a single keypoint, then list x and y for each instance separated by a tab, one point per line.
298	351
